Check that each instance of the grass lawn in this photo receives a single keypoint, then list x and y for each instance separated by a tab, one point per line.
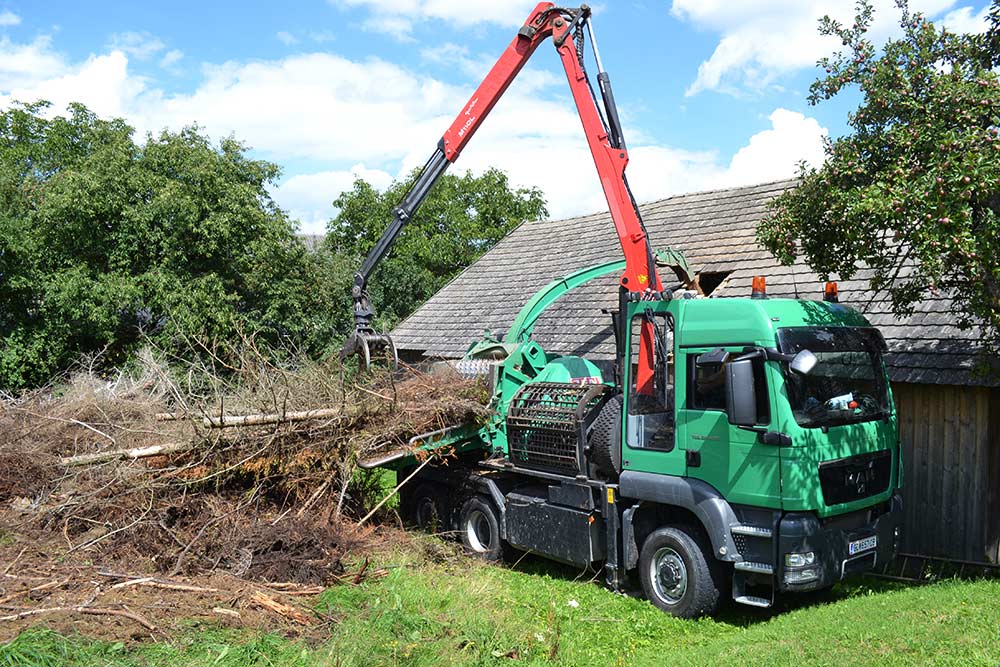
450	610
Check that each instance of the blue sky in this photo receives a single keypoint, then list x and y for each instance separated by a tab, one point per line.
712	92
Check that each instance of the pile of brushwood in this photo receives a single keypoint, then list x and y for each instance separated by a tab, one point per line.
176	470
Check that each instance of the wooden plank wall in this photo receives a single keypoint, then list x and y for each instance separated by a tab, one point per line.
950	440
993	483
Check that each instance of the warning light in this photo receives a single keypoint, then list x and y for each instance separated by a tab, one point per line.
758	288
830	292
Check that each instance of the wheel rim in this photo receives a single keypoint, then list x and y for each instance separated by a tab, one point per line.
477	531
669	575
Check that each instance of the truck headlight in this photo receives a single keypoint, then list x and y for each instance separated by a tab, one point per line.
800	560
801	576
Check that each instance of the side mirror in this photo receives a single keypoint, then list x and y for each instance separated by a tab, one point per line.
716	356
803	362
741	393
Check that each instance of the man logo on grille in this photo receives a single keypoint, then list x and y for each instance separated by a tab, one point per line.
859	480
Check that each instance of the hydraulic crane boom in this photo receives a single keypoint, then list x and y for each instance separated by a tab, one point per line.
604	138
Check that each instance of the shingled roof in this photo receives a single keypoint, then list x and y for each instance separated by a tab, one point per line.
716	231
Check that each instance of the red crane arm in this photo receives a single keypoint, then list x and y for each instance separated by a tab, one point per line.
639	280
547	21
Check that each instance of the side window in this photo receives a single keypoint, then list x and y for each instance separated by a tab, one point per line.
658	395
706	387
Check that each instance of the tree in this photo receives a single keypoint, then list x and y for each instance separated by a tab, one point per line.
462	217
104	241
913	191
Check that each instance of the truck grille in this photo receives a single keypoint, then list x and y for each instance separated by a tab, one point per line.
855	477
545	423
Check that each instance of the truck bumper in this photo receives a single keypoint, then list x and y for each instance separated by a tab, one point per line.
831	539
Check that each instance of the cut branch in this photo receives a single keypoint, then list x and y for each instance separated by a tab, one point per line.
135	453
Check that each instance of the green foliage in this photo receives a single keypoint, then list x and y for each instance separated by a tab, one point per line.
462	217
104	241
913	191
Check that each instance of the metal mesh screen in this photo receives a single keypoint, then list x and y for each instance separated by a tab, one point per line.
544	425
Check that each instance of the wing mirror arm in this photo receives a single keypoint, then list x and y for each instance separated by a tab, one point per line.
802	362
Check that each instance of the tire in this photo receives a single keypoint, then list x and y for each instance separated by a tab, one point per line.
479	526
679	575
605	438
429	507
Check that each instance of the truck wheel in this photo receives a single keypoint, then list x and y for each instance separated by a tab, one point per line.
677	575
479	525
605	438
428	509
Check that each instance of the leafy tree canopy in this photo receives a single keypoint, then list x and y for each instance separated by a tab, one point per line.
913	190
462	217
104	240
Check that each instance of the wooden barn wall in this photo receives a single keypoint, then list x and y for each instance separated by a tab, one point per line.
951	470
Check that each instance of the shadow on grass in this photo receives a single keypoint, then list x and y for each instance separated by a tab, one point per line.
730	613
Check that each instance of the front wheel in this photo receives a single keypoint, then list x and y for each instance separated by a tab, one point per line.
678	574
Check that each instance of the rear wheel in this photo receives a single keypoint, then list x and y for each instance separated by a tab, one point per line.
479	526
429	507
678	574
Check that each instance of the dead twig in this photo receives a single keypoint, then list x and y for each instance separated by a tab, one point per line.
11	564
152	582
396	490
225	612
43	587
95	611
281	609
361	573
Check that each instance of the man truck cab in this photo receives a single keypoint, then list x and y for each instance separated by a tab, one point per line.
805	458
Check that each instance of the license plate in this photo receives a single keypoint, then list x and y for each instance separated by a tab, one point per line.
866	544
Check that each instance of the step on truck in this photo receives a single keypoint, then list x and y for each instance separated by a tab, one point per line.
742	447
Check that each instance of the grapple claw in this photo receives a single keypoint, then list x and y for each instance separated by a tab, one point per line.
370	347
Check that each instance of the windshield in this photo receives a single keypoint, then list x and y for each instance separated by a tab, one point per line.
847	385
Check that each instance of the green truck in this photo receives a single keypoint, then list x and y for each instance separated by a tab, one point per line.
765	460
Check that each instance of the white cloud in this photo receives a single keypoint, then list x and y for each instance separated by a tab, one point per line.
322	36
314	106
774	154
308	198
475	68
139	45
761	40
399	27
9	18
964	20
101	82
25	64
171	58
286	38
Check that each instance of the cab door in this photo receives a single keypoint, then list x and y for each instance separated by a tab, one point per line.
649	438
732	459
